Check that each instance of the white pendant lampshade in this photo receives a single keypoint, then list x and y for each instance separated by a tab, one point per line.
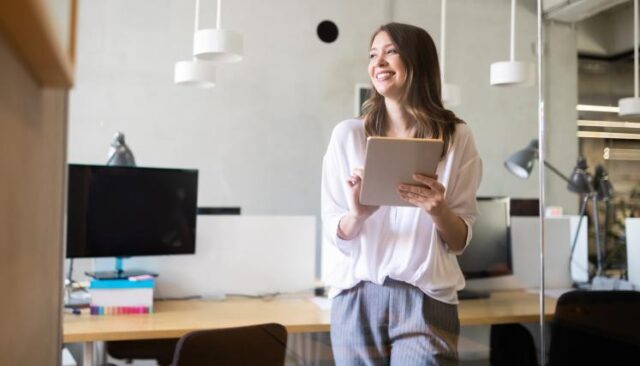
210	46
195	73
451	95
217	45
512	72
505	73
631	106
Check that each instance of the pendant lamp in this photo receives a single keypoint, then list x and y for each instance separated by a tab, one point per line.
631	106
217	45
512	72
450	92
195	72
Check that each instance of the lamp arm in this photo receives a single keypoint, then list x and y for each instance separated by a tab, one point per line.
555	170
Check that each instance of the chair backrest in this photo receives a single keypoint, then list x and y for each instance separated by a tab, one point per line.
263	344
595	327
511	344
160	350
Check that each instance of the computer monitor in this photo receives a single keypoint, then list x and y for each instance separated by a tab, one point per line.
129	211
489	252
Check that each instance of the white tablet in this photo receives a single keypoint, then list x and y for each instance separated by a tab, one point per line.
390	161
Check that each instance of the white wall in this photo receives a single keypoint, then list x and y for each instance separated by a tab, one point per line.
258	137
234	255
632	228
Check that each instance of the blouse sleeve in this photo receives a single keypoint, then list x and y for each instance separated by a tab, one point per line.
334	192
464	184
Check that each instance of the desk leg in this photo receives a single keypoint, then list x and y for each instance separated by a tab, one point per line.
88	354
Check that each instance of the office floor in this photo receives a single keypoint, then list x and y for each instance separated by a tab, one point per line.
319	363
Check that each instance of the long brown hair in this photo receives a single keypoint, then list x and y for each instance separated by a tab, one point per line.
422	97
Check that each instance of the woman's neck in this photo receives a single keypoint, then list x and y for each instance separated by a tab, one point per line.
400	123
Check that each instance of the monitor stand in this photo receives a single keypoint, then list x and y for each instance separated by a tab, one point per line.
116	275
473	294
119	273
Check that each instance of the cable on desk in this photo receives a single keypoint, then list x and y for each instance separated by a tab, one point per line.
189	297
267	297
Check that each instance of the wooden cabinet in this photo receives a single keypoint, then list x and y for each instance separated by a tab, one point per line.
36	71
42	33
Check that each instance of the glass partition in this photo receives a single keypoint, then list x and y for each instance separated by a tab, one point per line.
263	135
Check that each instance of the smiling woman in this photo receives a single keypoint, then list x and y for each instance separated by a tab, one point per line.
394	288
386	69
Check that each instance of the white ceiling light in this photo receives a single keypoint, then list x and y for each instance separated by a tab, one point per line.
450	92
218	45
631	106
195	72
597	108
512	72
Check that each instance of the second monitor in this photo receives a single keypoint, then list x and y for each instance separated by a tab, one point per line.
489	252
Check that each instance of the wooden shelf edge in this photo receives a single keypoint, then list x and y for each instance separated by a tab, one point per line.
27	27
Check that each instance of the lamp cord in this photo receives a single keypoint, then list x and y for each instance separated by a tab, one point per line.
604	231
512	48
596	226
70	273
583	208
443	32
70	287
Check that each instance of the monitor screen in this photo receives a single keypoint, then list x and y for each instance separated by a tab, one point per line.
129	211
489	253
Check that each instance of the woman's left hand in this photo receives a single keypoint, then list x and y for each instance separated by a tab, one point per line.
429	195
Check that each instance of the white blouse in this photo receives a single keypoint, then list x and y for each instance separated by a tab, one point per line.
396	242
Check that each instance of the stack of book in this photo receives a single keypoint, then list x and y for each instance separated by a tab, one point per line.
121	296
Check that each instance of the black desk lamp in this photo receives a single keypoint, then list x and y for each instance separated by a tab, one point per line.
521	163
604	190
602	184
119	153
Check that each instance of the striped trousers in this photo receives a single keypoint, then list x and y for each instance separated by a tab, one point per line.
393	324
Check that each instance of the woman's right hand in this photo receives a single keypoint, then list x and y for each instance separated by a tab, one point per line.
351	223
359	210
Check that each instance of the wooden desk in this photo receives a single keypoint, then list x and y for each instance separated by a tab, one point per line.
505	307
172	319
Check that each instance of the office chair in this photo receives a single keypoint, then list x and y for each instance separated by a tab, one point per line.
512	344
595	328
160	350
263	344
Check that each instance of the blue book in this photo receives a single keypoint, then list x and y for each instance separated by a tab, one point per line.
121	284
